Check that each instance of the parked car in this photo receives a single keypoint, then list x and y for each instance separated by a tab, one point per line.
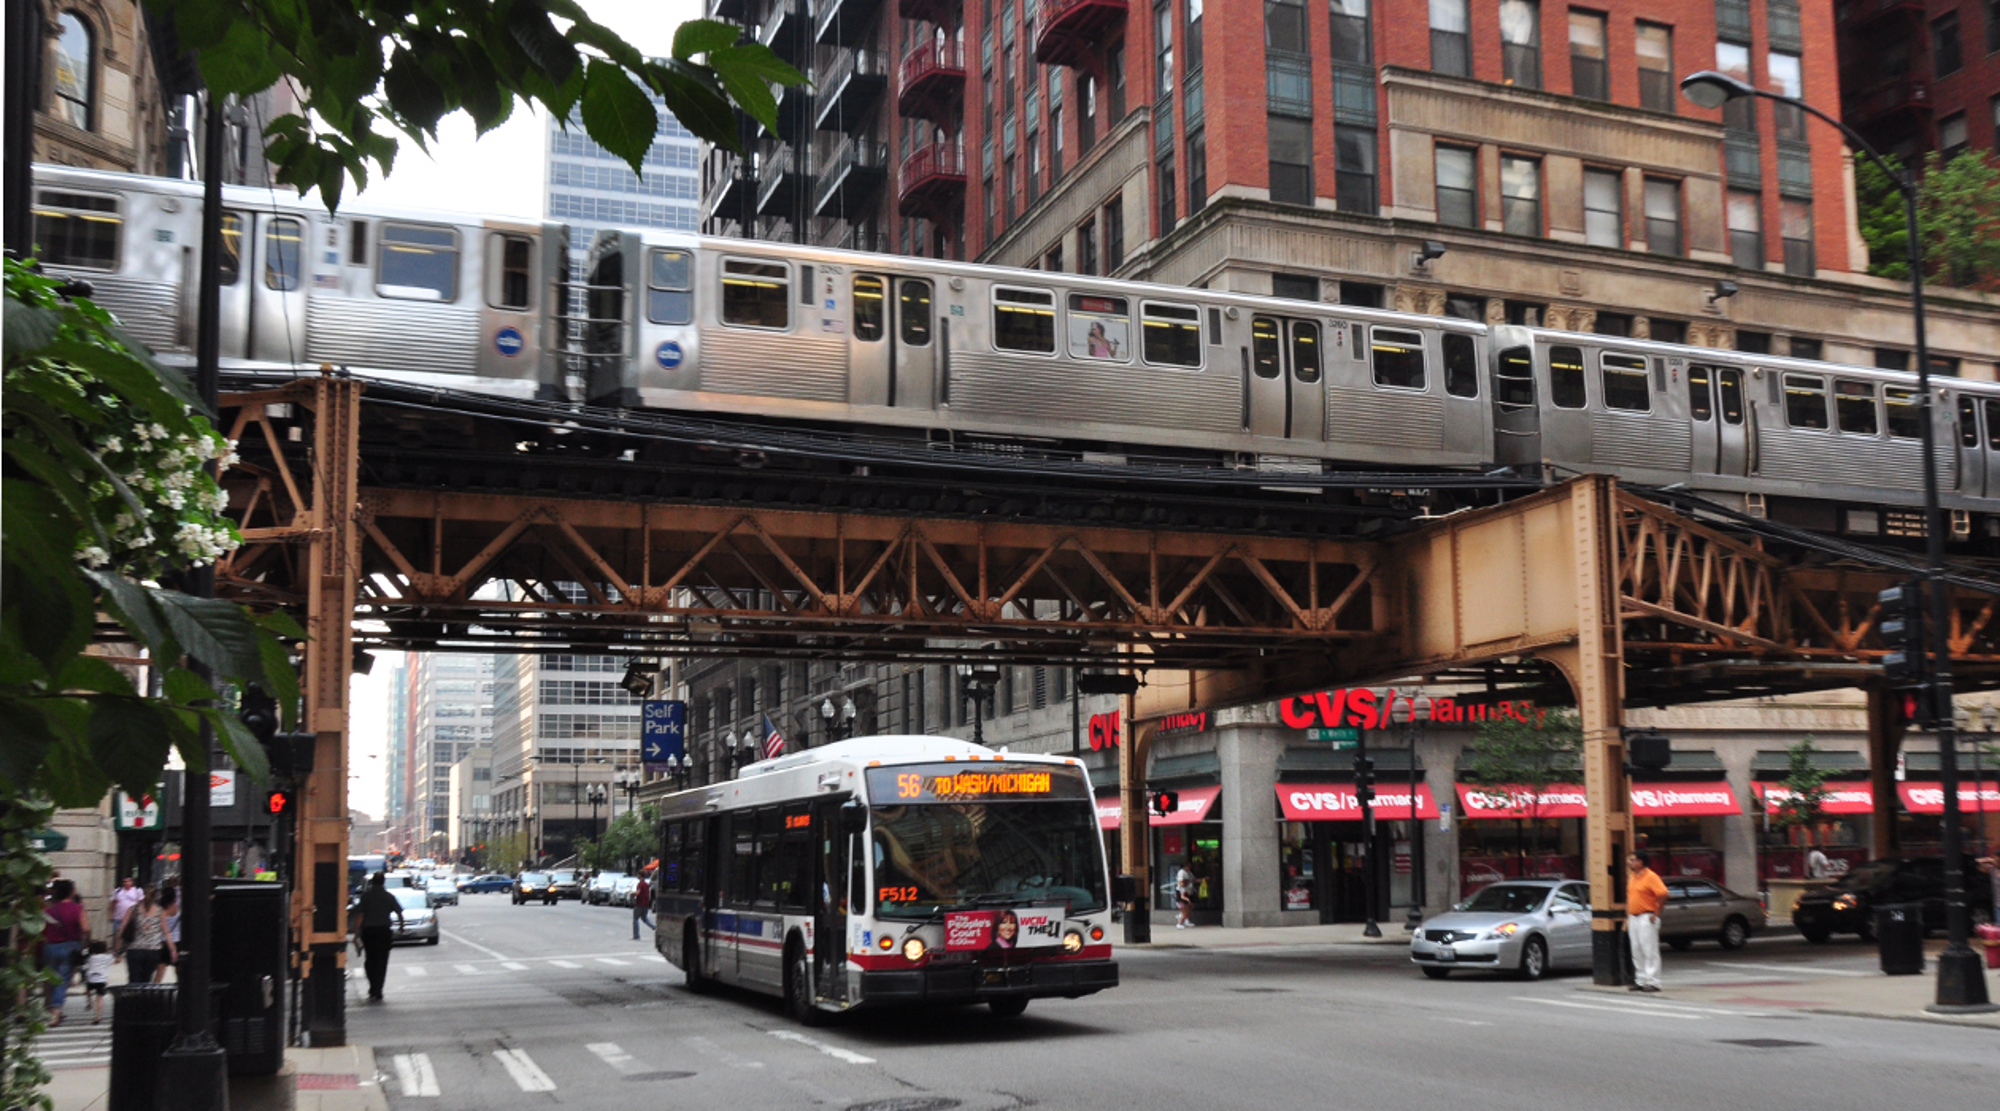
1703	910
419	921
1848	905
1527	927
534	887
441	891
566	885
598	892
626	890
492	881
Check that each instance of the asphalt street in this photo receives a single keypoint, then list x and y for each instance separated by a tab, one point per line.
535	1006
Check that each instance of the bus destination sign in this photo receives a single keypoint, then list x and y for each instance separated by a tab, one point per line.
918	783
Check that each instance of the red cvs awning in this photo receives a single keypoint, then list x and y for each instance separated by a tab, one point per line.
1335	802
1559	800
1841	798
1192	807
1684	800
1928	798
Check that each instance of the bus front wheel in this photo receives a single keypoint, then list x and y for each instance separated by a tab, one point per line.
798	988
1008	1006
697	982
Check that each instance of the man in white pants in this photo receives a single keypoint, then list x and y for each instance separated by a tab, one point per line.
1645	894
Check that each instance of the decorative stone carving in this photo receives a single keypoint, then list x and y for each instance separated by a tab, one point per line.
1428	300
1642	327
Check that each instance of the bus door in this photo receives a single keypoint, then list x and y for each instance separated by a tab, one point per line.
830	894
1285	379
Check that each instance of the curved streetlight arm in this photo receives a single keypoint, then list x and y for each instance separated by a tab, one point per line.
1731	89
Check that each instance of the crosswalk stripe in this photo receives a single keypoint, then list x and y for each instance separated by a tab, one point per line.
566	964
419	970
833	1051
527	1075
516	966
1800	969
414	1072
615	1056
470	970
1599	1007
612	960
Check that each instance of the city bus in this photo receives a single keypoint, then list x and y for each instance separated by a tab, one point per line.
889	870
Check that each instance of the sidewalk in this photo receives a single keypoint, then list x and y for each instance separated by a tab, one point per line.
1240	937
341	1078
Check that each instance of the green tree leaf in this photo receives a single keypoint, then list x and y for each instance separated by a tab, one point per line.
699	36
618	114
530	26
215	632
129	739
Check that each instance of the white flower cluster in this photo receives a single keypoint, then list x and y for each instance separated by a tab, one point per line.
182	521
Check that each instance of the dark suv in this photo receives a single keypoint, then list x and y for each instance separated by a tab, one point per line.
1848	905
534	887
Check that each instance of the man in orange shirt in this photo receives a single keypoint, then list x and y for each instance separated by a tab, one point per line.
1645	893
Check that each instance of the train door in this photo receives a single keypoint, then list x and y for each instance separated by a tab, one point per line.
1464	431
913	384
1702	440
1566	407
1307	401
871	342
1971	447
1517	421
1991	407
508	342
830	900
1732	449
1285	379
277	290
235	290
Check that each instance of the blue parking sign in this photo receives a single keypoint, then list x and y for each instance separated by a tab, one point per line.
662	732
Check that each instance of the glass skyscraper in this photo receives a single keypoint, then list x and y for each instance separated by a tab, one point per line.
590	188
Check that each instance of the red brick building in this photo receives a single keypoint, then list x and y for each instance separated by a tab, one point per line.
1917	77
1312	149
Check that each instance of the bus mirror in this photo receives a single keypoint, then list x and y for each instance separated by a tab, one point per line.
1124	889
853	817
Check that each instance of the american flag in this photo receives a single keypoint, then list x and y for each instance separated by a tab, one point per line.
774	741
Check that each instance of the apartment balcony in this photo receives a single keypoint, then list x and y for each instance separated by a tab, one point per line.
733	11
851	88
850	181
1070	32
724	195
1892	98
932	182
778	182
926	11
783	31
844	22
932	80
1856	15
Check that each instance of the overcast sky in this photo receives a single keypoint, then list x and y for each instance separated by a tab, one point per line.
500	174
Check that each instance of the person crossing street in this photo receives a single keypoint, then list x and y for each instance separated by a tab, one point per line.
377	936
1645	894
642	907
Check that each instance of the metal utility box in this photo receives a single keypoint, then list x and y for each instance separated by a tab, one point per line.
1899	931
248	957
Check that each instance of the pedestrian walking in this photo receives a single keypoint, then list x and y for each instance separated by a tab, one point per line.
65	925
170	910
97	978
642	906
377	936
1645	894
144	940
1818	867
1183	897
123	900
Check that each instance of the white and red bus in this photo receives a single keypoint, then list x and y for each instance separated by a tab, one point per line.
889	870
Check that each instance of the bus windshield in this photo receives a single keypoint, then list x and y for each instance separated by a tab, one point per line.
1031	840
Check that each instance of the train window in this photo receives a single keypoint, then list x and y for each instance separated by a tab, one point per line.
1024	320
1100	327
1906	418
509	259
1461	366
1992	425
1172	334
1514	379
232	248
670	288
1854	407
1625	384
1305	351
357	243
1968	423
756	294
1701	394
1398	358
1264	347
1566	377
417	262
1805	401
283	266
1729	391
913	317
1215	327
78	231
870	304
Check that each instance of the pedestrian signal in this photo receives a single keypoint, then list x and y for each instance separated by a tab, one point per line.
1164	803
278	803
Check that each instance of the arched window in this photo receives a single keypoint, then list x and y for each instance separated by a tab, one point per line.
71	61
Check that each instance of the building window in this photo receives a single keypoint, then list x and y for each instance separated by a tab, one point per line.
1753	343
1350	32
1007	188
1946	52
1197	171
986	188
1457	188
1086	117
1656	67
1354	169
1802	348
73	78
1521	43
1086	247
1193	44
1996	101
1603	208
1167	192
1362	294
1055	141
1795	226
1163	51
1951	135
1114	234
1787	75
1451	37
1520	195
1733	59
1746	230
1295	287
1053	261
1613	324
1285	26
1291	159
1589	76
1992	26
1663	216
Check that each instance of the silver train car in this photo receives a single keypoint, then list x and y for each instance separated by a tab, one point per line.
942	350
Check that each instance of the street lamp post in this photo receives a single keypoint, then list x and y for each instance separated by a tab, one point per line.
840	722
978	683
1961	984
1415	718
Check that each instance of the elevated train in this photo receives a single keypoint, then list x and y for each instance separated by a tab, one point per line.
941	350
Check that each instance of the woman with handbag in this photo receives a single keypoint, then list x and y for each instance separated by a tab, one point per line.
65	927
145	940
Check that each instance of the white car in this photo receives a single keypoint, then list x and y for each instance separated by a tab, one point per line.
626	889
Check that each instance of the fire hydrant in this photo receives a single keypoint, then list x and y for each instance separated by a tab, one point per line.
1989	936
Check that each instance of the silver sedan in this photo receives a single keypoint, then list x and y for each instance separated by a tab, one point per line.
1527	927
419	921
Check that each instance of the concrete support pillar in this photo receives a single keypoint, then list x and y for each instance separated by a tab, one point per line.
1249	757
1134	831
1885	739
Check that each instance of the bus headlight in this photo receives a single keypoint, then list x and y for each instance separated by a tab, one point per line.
1072	942
913	949
1097	933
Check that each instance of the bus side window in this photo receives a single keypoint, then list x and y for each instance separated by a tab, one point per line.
670	857
870	304
1461	366
1701	401
742	864
694	857
1566	377
775	877
795	852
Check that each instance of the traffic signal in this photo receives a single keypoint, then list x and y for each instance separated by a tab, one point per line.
278	803
1364	779
1164	803
1901	625
259	714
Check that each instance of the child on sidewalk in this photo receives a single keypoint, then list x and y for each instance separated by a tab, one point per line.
97	978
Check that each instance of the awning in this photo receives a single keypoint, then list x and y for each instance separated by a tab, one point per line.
1193	807
1928	798
1559	800
1335	802
1684	800
1110	812
1841	797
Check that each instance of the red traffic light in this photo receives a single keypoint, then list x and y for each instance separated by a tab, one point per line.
277	802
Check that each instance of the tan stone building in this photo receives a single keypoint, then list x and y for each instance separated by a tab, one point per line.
101	105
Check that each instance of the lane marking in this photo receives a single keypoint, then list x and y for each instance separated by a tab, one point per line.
708	1048
415	1074
1602	1007
527	1075
517	966
470	970
1666	1005
419	970
833	1051
615	1056
612	960
463	940
565	964
1803	969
